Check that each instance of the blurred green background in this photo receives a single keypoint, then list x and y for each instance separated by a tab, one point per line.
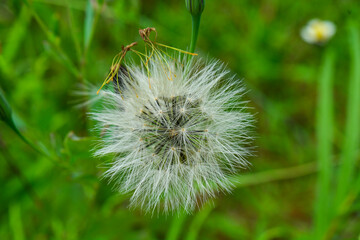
305	180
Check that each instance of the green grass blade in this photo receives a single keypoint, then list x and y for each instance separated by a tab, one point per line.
274	175
198	220
74	30
16	35
54	41
351	140
13	41
15	222
89	23
176	225
60	56
324	132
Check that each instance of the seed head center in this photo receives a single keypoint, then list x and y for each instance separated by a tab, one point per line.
173	133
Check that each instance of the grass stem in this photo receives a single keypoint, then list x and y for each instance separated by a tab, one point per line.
195	31
352	131
324	133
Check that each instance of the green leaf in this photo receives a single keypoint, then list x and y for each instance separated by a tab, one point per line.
77	147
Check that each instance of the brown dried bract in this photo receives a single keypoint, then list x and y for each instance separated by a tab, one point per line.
115	67
128	47
125	49
145	33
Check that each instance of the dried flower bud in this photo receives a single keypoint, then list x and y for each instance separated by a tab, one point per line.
195	7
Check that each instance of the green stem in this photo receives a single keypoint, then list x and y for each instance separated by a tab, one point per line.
16	130
176	225
198	221
274	175
42	151
195	31
352	131
343	209
324	132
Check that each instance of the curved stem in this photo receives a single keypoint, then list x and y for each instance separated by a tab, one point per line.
274	175
16	130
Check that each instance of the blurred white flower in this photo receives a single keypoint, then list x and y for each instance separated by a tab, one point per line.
317	31
176	142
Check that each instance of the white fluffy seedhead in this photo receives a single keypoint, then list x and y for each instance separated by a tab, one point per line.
177	129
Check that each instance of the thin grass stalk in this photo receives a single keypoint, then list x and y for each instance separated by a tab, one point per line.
352	131
324	133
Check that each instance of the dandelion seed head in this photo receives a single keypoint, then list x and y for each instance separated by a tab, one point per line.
177	142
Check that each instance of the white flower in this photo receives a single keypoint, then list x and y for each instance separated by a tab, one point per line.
177	141
317	31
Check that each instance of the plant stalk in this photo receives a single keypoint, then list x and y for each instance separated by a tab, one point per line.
195	31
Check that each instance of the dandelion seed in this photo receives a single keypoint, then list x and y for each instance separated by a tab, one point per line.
85	95
317	31
176	143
